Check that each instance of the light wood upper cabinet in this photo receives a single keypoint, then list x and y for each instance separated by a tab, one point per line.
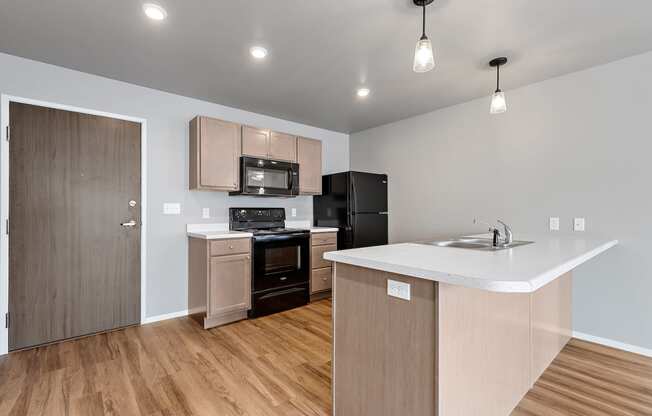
283	147
255	142
215	149
268	144
309	159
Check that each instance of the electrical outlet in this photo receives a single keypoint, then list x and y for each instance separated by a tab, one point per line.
294	212
579	224
398	289
171	208
205	213
554	223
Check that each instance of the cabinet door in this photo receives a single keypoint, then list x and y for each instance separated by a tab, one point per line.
255	142
309	158
317	256
321	280
283	147
214	154
229	284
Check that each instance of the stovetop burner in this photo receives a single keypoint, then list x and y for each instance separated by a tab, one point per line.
275	230
260	221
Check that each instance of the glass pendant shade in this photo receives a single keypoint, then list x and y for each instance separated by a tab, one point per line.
424	60
498	103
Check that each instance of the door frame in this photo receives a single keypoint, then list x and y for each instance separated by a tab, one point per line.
5	99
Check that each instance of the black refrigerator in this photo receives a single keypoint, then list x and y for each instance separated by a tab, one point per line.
356	203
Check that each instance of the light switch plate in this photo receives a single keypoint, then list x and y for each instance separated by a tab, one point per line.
294	212
171	208
205	213
554	223
398	289
579	224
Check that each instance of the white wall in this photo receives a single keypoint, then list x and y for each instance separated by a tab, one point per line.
578	145
167	116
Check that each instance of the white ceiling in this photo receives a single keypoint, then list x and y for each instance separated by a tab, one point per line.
322	50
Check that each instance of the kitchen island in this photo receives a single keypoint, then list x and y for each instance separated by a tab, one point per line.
464	332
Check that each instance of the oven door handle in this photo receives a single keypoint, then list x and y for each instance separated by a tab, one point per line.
281	237
282	292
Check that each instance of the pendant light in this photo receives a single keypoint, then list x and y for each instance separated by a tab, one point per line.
498	103
424	59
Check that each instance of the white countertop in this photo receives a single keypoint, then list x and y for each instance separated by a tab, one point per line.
306	225
323	230
521	269
214	232
221	231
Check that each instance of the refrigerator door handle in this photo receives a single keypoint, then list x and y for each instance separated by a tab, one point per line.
354	196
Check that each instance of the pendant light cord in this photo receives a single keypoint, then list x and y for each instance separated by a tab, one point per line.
423	33
497	78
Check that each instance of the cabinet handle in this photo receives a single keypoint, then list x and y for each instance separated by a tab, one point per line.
231	247
324	279
247	257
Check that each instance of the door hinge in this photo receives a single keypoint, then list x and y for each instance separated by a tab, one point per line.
8	133
7	320
7	226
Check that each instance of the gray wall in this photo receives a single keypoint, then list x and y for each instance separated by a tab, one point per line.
167	152
578	145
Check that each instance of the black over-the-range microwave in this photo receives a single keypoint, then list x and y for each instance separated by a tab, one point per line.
264	177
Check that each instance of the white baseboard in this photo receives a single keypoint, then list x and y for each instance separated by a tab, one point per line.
165	317
173	315
613	344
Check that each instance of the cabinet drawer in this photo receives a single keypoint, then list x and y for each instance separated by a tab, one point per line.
321	239
317	256
322	279
227	247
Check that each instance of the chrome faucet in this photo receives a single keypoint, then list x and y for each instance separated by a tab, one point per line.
500	239
508	238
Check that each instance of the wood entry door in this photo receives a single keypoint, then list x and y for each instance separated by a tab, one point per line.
74	255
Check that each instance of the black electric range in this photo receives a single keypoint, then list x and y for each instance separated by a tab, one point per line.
280	260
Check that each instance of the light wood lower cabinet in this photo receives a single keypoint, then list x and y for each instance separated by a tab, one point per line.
321	276
219	280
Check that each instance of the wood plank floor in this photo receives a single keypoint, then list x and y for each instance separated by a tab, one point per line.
589	379
277	365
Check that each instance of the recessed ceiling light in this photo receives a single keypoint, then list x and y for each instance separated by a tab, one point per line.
363	92
154	11
258	52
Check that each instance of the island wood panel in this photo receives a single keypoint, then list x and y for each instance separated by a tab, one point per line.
484	350
384	357
551	322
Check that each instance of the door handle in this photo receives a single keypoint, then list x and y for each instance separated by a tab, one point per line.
129	224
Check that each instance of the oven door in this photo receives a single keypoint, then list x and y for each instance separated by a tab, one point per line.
269	177
280	260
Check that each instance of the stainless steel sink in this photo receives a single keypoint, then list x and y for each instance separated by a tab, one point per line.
484	244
